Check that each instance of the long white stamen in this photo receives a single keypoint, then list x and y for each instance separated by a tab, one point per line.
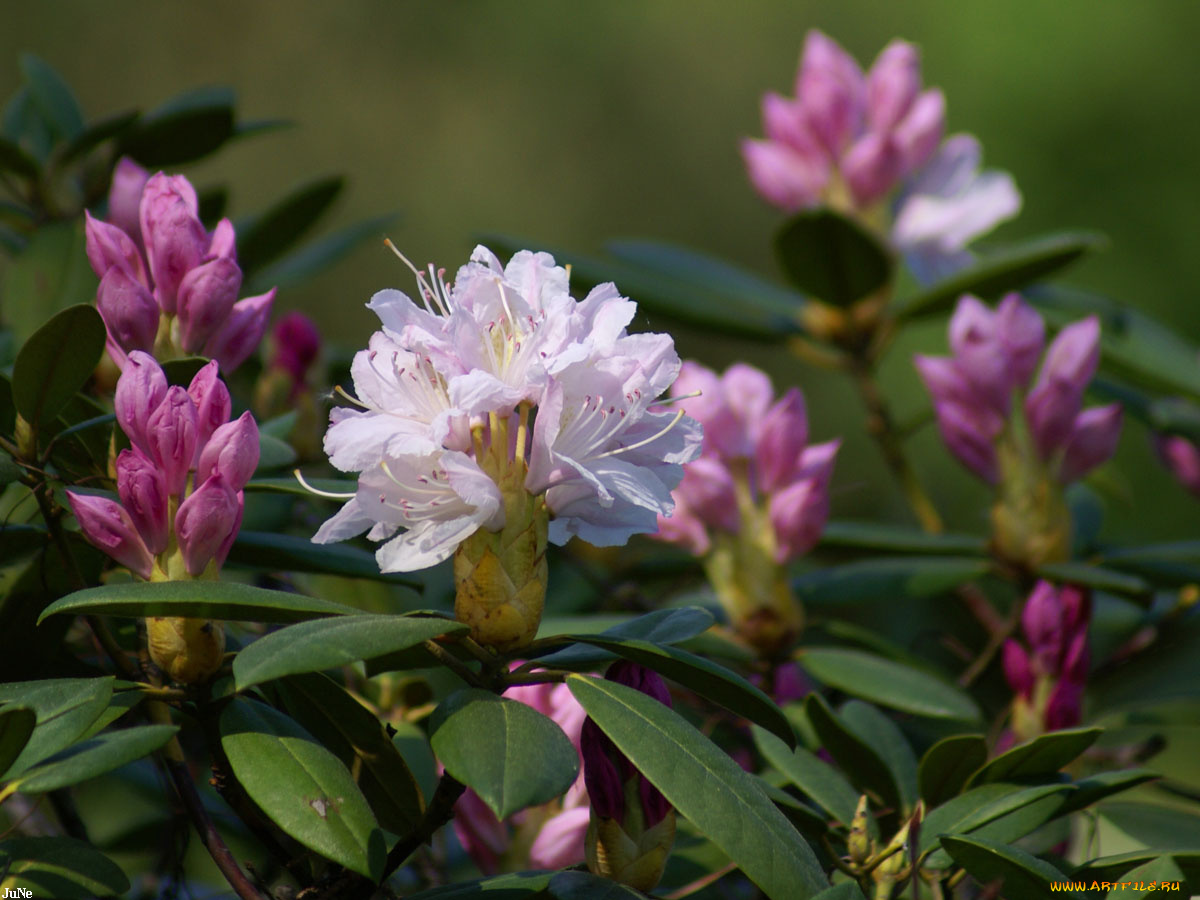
312	490
337	389
642	443
665	400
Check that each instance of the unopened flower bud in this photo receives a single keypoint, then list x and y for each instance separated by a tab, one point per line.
1016	668
128	309
206	297
1092	441
892	85
798	514
108	246
143	493
1182	459
830	84
205	521
224	242
233	451
707	492
125	197
920	132
782	439
871	167
244	328
784	122
188	651
141	389
560	842
108	527
176	241
295	344
171	433
783	176
213	404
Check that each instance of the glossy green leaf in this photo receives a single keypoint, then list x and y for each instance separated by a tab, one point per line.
888	741
510	754
1043	755
860	762
327	643
663	626
947	765
1003	812
708	679
95	756
356	737
815	778
56	361
265	550
196	599
847	890
586	886
96	133
1104	784
887	683
1114	867
412	744
266	236
302	787
998	273
1168	672
708	788
185	128
1161	827
302	264
912	577
513	886
25	124
64	708
883	538
16	160
16	725
274	453
59	867
10	471
1096	577
122	702
1158	872
832	257
53	96
1022	874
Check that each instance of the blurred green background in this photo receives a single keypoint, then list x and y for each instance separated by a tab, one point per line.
570	124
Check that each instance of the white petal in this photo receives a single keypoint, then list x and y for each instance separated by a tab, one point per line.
349	521
479	392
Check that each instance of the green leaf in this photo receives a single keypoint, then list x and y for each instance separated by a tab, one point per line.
301	786
1161	827
14	159
888	741
708	788
708	679
1022	874
947	765
60	867
64	707
896	576
510	754
97	133
302	264
53	96
1104	784
1157	872
49	275
327	643
887	683
1096	577
16	725
1112	868
861	763
266	236
198	600
816	779
345	727
999	273
18	541
883	538
1171	671
289	485
832	257
56	362
663	626
185	128
513	886
273	453
1043	755
24	124
586	886
95	757
273	552
847	890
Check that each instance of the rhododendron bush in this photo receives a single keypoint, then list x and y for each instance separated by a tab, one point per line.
507	599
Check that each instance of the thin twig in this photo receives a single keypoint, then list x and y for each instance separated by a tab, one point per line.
454	664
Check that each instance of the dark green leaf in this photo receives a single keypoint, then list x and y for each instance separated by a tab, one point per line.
327	643
832	257
999	273
899	576
16	725
708	679
1022	874
24	124
1096	577
345	727
514	886
301	786
9	472
64	707
254	127
1162	827
1096	787
289	485
60	867
49	275
183	129
196	599
885	738
1043	755
663	626
510	754
888	683
286	552
95	757
883	538
280	426
815	778
708	788
586	886
947	765
861	763
1112	868
1003	812
267	235
97	133
273	453
56	361
1158	872
313	257
53	96
1170	671
847	890
14	159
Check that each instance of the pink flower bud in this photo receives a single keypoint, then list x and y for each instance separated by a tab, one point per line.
784	123
872	167
1064	708
798	515
892	85
1051	409
1182	459
968	433
295	345
831	87
108	527
213	404
1076	659
560	843
171	434
782	176
108	247
1074	355
482	835
1093	440
1016	669
233	451
205	299
144	495
781	440
125	197
224	242
227	544
175	240
684	529
816	462
234	341
206	521
140	389
1077	608
129	311
1042	622
1021	332
707	492
919	133
747	393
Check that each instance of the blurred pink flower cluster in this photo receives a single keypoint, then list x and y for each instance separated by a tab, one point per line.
995	354
167	286
1049	672
1181	456
756	457
180	483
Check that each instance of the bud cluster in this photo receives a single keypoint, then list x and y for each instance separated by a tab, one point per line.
167	286
1049	673
1181	456
756	499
